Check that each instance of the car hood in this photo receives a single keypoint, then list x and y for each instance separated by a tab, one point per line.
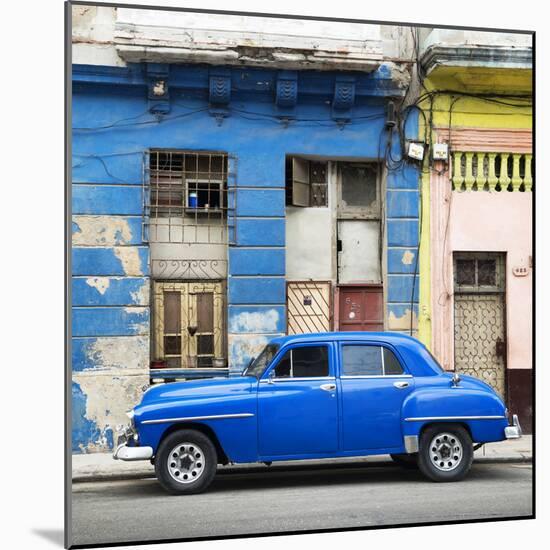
207	387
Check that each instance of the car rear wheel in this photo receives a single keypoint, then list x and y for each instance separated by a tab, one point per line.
445	453
407	461
186	462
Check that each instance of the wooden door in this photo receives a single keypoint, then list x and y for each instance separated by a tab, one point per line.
189	323
361	308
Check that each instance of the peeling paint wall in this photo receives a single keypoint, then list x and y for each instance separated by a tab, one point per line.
103	400
111	310
310	243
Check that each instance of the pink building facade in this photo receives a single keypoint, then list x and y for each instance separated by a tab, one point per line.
481	261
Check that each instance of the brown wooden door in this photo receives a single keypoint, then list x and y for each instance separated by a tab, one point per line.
361	308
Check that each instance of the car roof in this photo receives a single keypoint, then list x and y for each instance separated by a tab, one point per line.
415	354
395	338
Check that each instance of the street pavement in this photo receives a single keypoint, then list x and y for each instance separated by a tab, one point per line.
295	498
102	467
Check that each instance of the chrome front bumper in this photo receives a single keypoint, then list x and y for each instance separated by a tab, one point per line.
513	431
123	451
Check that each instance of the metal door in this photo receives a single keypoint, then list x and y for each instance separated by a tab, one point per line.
479	317
189	324
361	308
309	307
359	251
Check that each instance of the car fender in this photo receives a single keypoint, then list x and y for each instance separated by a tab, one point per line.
482	412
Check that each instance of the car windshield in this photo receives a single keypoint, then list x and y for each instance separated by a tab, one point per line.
258	366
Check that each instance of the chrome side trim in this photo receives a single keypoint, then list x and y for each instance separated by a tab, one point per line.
423	418
411	443
345	376
296	379
189	418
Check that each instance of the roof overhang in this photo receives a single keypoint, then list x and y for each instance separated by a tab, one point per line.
479	69
173	37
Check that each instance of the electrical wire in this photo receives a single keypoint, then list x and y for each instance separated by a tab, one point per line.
157	120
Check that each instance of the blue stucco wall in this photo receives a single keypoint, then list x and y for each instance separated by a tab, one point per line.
113	130
402	219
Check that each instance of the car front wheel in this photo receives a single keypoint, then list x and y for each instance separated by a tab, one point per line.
445	453
186	462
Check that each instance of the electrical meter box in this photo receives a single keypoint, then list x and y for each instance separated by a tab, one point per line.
416	150
440	151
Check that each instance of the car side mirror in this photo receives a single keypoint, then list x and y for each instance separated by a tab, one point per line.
271	376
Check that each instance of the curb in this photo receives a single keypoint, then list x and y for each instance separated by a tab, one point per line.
239	470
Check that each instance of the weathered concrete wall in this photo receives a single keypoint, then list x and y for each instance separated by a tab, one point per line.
458	37
110	315
113	36
175	37
310	243
93	36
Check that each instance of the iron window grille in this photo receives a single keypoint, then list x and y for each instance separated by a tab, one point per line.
189	197
359	190
479	272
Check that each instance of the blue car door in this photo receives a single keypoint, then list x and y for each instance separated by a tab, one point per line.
373	384
298	403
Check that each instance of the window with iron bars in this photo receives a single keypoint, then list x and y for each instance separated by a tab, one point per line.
187	196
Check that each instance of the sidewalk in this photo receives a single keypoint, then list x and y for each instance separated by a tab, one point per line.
102	466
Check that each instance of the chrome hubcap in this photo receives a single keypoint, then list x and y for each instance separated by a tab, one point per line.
445	451
186	462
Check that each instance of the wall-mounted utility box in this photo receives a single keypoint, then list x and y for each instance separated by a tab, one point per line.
440	151
415	150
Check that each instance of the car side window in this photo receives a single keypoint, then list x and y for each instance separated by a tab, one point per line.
391	363
303	362
282	370
358	360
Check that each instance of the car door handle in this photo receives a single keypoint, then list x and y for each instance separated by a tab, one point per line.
328	387
401	385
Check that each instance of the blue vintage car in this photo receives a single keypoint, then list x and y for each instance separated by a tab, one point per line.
318	396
